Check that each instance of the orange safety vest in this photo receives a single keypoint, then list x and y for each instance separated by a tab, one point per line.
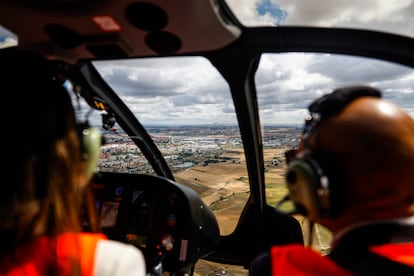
298	260
397	252
63	253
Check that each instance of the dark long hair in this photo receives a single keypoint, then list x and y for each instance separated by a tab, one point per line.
41	190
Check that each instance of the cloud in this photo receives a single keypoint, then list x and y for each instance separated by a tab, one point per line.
392	16
7	38
289	82
267	8
254	12
189	90
180	90
7	42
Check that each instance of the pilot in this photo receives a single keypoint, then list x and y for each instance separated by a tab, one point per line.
45	178
353	173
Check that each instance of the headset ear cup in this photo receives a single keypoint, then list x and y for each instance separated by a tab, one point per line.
303	179
92	141
302	182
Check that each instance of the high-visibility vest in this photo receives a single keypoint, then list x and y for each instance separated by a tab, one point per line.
296	260
63	254
399	252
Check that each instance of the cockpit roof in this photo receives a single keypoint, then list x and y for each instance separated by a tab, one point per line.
128	28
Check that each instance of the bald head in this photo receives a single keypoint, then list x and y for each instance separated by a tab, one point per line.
374	133
374	141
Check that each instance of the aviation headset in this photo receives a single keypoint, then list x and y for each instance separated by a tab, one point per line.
315	179
90	137
91	141
46	76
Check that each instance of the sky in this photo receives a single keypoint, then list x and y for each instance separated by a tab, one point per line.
190	91
372	14
7	39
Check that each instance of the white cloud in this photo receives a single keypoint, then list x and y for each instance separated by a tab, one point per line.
394	16
190	91
8	42
177	90
7	38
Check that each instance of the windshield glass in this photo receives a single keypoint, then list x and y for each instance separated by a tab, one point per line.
187	109
378	15
287	83
7	38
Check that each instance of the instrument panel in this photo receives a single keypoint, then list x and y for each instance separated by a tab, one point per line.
166	220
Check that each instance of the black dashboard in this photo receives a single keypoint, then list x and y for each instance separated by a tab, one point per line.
166	220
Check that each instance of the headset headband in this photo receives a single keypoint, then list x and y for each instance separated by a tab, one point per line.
315	178
331	104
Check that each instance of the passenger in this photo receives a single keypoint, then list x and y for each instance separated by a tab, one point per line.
353	173
44	181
